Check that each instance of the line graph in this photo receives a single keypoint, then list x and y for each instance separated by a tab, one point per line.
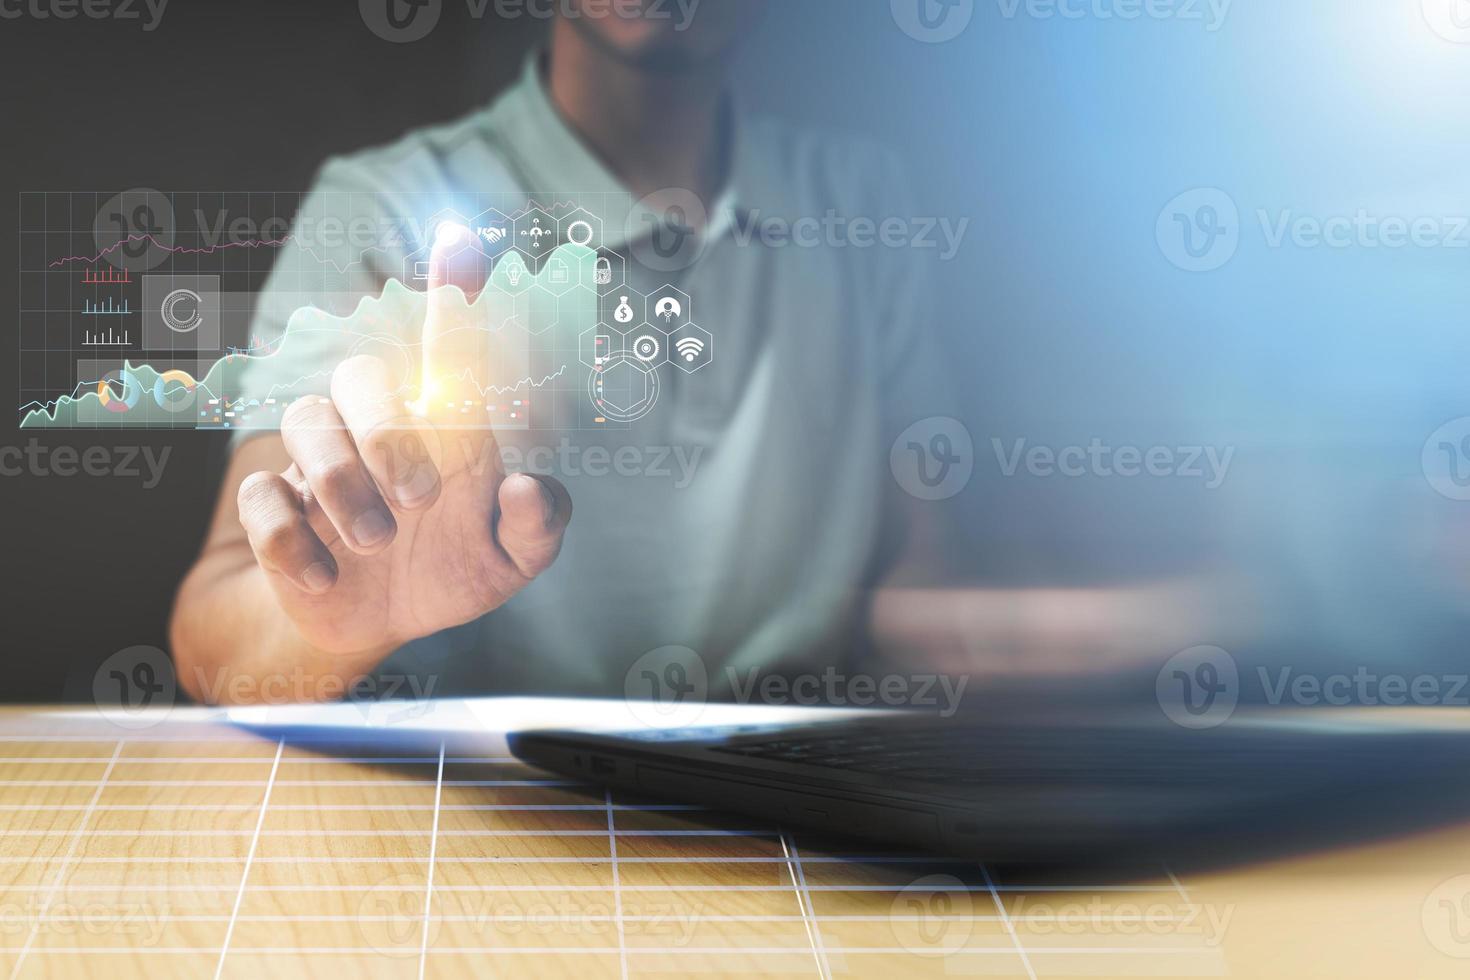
156	243
204	336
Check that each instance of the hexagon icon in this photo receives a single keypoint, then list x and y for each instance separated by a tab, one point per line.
648	344
580	228
606	273
624	307
416	269
597	344
431	228
536	309
535	235
512	273
691	348
492	232
669	307
624	389
560	274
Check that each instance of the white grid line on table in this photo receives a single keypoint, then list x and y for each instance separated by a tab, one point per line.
261	760
1010	926
505	859
593	917
355	807
399	833
808	911
314	783
1179	885
61	871
612	843
249	860
433	851
638	951
894	888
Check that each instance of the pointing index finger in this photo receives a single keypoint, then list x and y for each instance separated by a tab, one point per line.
451	348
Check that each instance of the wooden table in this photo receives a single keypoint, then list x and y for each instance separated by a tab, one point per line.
193	849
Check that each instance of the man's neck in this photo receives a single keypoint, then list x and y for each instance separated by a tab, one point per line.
651	130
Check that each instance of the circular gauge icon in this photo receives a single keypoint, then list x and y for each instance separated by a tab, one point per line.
579	233
646	347
181	311
623	388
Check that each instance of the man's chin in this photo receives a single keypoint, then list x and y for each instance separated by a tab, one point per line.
657	53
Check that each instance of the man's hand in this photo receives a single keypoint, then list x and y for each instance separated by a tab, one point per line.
394	522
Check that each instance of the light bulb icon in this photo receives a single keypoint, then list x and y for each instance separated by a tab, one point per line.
514	272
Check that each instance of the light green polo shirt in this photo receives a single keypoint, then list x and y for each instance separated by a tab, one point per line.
754	510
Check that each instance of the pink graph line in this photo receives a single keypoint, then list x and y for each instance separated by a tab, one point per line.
176	250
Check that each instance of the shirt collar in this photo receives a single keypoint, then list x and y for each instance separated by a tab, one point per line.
559	162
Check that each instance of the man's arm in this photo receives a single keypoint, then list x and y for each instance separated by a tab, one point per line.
366	523
229	633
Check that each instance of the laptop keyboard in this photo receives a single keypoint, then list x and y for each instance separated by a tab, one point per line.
969	756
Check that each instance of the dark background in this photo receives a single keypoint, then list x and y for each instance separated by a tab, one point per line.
254	96
1060	140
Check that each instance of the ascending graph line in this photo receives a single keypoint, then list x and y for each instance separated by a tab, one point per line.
172	249
398	240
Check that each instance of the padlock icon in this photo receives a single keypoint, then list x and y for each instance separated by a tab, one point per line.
602	271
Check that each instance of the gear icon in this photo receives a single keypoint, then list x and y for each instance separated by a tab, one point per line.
646	347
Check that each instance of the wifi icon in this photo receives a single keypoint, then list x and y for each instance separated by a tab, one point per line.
689	348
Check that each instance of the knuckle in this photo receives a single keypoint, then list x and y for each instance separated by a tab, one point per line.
337	479
258	492
306	412
359	365
277	542
359	380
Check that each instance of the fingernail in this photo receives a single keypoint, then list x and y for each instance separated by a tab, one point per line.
370	528
550	499
319	577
